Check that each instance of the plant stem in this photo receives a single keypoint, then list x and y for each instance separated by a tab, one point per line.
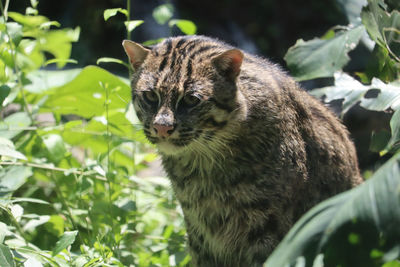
128	8
35	165
13	54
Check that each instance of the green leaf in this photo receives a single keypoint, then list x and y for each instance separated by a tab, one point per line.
86	94
132	24
382	27
4	91
7	149
186	26
108	13
59	44
57	60
12	178
352	9
394	141
68	238
3	232
111	60
368	214
55	146
321	58
352	91
6	257
43	80
14	124
163	13
14	31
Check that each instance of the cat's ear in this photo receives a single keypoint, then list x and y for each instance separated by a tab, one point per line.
136	53
229	62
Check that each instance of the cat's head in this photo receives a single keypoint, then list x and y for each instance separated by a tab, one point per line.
185	92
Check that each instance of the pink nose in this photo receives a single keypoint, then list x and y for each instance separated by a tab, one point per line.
163	130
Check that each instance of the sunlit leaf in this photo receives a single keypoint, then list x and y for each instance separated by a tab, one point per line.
56	60
321	58
132	24
6	257
111	60
186	26
14	124
353	92
7	149
55	146
108	13
14	31
42	80
88	87
12	178
67	239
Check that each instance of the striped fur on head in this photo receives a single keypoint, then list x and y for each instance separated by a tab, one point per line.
192	82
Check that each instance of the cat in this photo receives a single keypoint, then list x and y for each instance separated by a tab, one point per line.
246	149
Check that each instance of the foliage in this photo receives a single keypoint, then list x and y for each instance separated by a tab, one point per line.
358	227
70	151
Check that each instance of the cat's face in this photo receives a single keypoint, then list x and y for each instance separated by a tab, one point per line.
184	91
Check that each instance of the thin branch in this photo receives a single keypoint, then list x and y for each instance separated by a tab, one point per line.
51	168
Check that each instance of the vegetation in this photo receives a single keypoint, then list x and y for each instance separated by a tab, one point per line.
358	227
71	149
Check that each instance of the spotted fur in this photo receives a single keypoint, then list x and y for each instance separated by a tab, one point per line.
250	156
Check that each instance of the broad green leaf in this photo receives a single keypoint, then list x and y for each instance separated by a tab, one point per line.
27	20
6	257
4	91
7	149
14	31
388	97
59	44
14	124
108	13
12	178
66	239
186	26
321	58
163	13
43	80
86	95
132	24
361	221
353	92
55	146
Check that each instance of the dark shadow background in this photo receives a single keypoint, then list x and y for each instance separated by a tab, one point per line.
264	27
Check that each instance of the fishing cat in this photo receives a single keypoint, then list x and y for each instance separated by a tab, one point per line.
247	151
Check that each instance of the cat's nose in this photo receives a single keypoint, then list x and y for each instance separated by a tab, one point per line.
163	130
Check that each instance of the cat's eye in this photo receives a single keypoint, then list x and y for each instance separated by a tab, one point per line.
190	100
150	97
